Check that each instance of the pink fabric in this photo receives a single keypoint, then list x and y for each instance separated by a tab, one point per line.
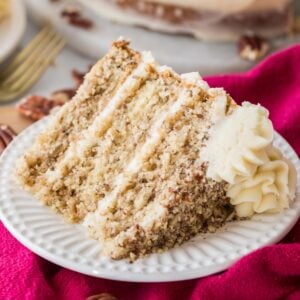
269	273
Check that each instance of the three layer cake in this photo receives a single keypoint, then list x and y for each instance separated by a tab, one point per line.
204	19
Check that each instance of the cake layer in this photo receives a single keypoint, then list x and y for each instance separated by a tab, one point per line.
156	203
202	21
70	123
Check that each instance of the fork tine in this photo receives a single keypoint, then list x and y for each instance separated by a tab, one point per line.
30	63
41	63
26	51
44	66
34	75
9	95
29	60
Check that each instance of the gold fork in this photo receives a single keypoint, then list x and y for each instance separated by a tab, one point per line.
28	66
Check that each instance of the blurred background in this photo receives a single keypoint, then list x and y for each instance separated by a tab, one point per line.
209	36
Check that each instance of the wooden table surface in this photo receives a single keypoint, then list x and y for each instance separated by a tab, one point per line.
10	116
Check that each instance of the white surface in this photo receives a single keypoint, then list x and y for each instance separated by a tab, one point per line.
183	53
11	29
46	234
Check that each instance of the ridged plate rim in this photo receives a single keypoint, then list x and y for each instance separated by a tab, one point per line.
203	255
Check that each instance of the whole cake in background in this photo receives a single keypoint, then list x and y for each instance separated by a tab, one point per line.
146	158
204	19
4	9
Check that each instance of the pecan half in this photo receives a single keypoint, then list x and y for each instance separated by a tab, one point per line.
81	22
36	107
73	16
103	296
6	136
63	95
252	47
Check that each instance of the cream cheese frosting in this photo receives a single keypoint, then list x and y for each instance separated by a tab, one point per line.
269	190
240	152
237	144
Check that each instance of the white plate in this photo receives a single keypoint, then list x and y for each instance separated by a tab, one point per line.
46	234
12	29
183	53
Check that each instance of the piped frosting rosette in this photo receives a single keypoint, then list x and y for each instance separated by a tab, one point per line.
240	152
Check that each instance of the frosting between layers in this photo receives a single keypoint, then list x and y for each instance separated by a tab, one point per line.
240	152
156	134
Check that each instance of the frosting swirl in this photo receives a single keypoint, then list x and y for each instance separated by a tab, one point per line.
237	144
240	152
269	190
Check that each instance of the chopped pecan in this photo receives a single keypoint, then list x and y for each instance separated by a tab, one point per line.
36	107
252	47
6	136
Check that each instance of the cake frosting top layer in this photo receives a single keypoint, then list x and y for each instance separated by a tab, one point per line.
225	6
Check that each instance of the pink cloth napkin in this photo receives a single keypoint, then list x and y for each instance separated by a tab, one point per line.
269	273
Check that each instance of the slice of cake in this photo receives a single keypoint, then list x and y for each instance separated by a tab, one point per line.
204	19
147	158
